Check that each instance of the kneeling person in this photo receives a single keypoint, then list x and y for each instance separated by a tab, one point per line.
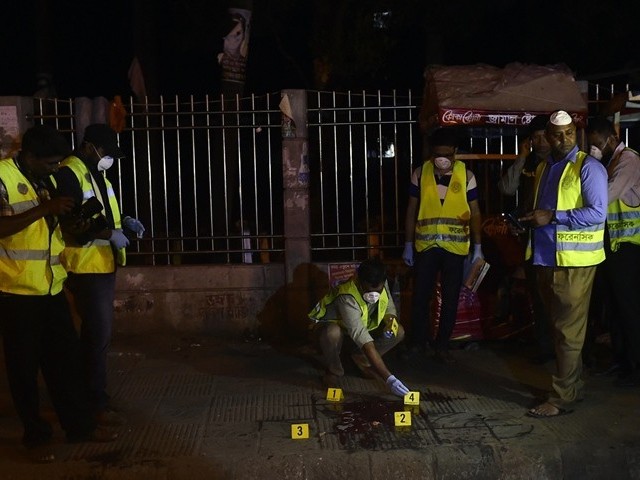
363	309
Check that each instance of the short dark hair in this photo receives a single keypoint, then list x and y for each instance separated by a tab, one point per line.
443	137
601	126
538	123
372	271
44	141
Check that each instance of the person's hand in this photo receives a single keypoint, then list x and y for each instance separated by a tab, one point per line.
396	386
524	147
134	225
477	252
538	218
407	255
118	239
59	205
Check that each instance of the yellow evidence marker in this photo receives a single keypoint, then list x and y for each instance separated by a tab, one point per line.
412	398
394	327
299	431
334	395
402	419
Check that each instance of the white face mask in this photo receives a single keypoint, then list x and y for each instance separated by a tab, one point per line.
105	163
443	163
595	152
371	297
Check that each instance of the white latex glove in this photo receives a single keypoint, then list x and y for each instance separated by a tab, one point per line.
407	255
396	386
118	239
134	225
477	252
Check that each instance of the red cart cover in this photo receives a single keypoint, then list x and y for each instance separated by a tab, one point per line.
483	95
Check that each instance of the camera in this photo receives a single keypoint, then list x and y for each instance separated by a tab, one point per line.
88	211
89	208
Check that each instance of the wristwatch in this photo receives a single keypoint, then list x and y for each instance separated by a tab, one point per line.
554	220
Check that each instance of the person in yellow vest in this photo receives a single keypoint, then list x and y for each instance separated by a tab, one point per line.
93	253
622	248
362	310
566	244
443	216
36	324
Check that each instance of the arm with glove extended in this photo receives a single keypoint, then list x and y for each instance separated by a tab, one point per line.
395	385
134	225
410	230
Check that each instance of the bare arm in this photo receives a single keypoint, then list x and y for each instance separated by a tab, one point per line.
12	224
375	360
476	222
410	219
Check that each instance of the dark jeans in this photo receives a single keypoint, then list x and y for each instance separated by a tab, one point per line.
38	334
93	295
426	268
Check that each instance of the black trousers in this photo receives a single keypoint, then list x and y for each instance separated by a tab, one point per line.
428	264
622	273
39	335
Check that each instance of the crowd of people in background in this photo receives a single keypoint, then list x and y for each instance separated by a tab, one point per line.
579	215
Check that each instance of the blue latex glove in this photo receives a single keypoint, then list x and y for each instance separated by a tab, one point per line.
396	386
134	225
477	252
118	239
407	255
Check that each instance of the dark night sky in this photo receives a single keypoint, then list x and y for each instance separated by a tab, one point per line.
91	43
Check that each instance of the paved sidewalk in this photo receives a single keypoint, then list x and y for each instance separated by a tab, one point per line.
208	408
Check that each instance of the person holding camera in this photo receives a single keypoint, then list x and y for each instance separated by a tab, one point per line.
95	246
37	328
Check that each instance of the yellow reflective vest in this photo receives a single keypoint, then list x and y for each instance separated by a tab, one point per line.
579	247
445	225
95	256
623	223
319	313
30	258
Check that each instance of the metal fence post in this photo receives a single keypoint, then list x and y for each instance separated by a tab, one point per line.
295	173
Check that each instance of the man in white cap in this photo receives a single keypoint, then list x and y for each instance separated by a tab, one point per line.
566	244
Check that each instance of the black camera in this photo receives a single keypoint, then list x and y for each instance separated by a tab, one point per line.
88	211
89	208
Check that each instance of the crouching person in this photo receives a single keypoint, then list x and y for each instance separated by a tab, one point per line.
362	310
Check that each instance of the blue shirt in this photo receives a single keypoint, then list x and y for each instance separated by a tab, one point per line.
593	178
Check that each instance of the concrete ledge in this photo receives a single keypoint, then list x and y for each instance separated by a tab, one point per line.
205	299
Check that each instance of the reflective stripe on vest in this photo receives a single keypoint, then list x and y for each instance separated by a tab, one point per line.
97	255
439	224
580	247
318	314
29	259
623	223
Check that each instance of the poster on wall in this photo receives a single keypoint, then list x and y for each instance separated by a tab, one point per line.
341	272
233	58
